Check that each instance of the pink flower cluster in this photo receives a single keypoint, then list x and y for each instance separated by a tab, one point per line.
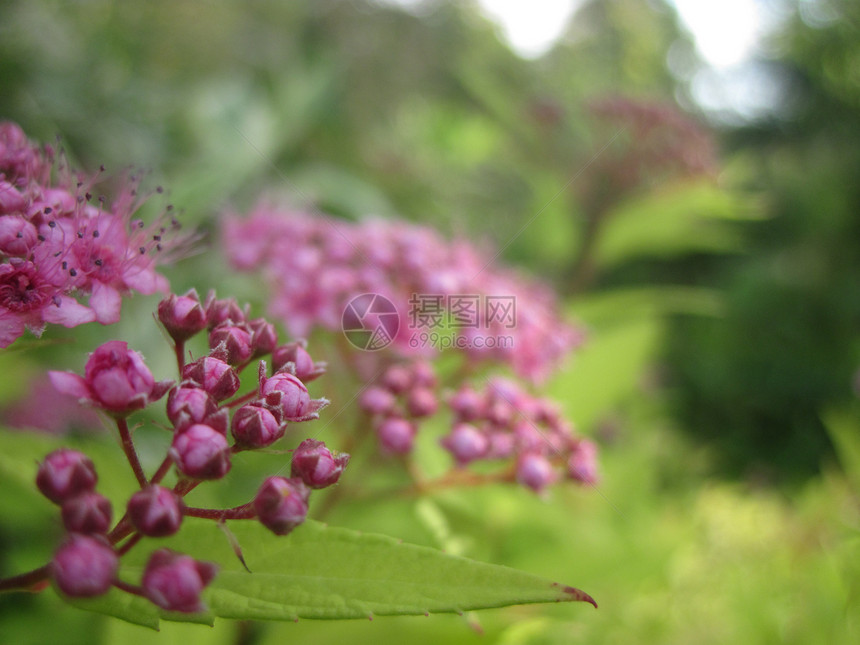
58	243
117	382
505	423
315	265
502	423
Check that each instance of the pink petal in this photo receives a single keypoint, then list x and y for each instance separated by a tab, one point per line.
69	313
11	328
69	383
106	303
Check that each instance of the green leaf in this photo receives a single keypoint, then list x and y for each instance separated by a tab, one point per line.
324	572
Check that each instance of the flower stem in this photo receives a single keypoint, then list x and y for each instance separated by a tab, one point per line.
130	453
163	469
126	547
243	512
31	581
179	348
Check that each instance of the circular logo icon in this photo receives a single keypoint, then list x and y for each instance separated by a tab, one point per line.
370	322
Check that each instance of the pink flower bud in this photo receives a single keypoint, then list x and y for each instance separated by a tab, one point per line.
256	427
264	337
234	340
396	435
213	375
421	402
282	504
377	400
64	474
315	464
397	378
287	395
182	316
466	443
115	380
582	463
189	404
467	404
17	235
222	311
535	471
201	452
87	513
423	374
173	581
84	566
305	367
156	511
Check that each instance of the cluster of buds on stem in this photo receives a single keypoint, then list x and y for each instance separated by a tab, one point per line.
210	424
502	423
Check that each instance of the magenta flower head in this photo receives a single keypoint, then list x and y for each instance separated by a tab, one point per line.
156	511
87	513
201	452
466	443
84	566
213	375
115	380
255	427
396	435
316	465
173	581
467	404
182	316
421	402
64	474
287	397
397	378
296	353
282	504
535	471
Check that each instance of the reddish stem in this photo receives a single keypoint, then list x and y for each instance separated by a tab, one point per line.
163	469
130	453
119	584
179	348
127	546
242	399
243	512
30	581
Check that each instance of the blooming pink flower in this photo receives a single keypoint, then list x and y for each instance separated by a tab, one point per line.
116	380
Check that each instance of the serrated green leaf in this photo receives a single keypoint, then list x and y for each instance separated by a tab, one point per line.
332	573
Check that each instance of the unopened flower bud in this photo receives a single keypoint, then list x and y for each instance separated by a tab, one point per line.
213	375
377	400
234	340
535	471
201	452
423	374
582	463
305	367
84	566
466	443
421	402
182	316
264	337
287	394
87	513
396	435
255	427
64	474
397	378
156	511
282	504
222	311
315	464
115	380
189	404
173	581
467	404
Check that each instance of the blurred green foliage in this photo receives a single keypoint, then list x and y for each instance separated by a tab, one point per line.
722	310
